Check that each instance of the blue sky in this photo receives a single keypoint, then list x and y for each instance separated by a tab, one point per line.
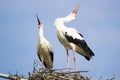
98	21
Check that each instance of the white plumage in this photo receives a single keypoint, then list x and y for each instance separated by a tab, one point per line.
44	49
70	38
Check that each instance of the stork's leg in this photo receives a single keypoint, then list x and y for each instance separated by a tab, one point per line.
68	60
42	66
74	57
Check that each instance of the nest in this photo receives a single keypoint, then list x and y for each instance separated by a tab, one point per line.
56	75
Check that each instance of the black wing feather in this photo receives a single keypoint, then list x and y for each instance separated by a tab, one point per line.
84	45
81	35
51	55
81	43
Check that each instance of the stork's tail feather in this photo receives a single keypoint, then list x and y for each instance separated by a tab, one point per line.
48	66
90	55
88	58
90	51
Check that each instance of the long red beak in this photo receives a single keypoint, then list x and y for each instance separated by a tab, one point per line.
76	9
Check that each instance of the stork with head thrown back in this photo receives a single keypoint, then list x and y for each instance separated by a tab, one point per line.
44	49
70	38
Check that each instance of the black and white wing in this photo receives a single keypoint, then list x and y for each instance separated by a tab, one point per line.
73	36
50	52
45	55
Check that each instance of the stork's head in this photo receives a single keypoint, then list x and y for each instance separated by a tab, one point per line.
72	15
39	22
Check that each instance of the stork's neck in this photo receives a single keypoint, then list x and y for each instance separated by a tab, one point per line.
69	18
41	36
59	24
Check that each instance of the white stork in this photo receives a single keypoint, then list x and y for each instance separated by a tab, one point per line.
44	49
70	38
